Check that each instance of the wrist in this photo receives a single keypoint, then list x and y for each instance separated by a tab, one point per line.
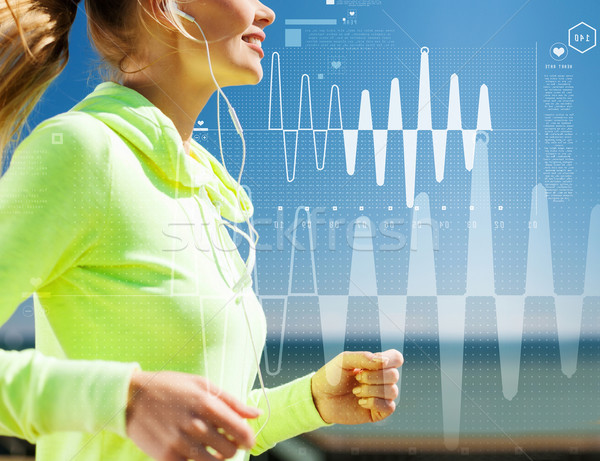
316	397
135	387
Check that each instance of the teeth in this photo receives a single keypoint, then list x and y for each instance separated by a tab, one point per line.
253	40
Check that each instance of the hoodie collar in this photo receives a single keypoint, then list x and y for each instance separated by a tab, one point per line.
153	134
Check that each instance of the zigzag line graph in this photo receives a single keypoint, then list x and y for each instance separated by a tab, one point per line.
380	136
510	310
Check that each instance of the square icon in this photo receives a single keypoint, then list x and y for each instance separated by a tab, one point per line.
57	138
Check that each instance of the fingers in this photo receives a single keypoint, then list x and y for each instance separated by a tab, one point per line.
201	431
187	447
242	409
395	358
369	360
221	415
380	408
382	391
362	359
198	452
386	376
377	389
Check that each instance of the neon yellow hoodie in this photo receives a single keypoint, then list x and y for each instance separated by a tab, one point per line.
114	229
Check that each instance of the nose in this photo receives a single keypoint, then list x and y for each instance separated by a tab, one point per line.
265	16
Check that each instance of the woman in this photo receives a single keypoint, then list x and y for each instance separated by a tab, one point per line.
109	214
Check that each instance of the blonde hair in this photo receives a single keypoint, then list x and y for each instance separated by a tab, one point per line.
34	49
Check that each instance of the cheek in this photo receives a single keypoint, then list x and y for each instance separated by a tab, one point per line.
243	66
236	16
232	59
221	19
234	52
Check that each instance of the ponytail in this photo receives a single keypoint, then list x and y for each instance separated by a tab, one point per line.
33	52
34	49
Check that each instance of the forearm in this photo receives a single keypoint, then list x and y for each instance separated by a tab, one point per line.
293	412
42	395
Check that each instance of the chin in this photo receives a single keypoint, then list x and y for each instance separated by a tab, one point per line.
249	76
258	77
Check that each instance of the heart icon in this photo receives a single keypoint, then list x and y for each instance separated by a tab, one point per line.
336	64
558	51
352	13
35	281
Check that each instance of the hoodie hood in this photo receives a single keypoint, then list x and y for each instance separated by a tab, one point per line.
135	119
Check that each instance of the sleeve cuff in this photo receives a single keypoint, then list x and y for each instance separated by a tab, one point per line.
293	412
82	395
309	412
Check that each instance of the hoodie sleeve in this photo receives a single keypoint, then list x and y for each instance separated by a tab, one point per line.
42	395
293	412
51	201
52	198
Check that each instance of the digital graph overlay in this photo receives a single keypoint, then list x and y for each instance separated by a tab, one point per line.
564	312
380	135
368	316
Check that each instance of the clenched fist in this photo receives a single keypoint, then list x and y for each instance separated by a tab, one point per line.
357	387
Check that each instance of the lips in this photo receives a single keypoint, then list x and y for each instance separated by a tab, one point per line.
254	41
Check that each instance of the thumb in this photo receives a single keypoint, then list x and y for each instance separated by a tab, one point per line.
363	359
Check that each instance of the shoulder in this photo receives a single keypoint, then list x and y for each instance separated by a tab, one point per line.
69	134
73	143
67	155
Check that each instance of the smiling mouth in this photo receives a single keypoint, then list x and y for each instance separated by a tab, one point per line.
253	40
255	43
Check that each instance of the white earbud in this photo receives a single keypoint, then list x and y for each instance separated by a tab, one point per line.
183	14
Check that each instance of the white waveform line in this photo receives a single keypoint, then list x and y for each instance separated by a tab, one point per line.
591	286
271	92
424	114
290	291
540	283
569	309
380	136
451	309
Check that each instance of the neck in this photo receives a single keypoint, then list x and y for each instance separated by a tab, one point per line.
182	103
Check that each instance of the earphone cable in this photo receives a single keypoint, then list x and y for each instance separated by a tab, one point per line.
241	284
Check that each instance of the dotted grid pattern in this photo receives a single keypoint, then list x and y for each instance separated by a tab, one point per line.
511	162
509	74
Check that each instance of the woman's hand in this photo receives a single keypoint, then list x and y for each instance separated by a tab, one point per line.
372	376
173	416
